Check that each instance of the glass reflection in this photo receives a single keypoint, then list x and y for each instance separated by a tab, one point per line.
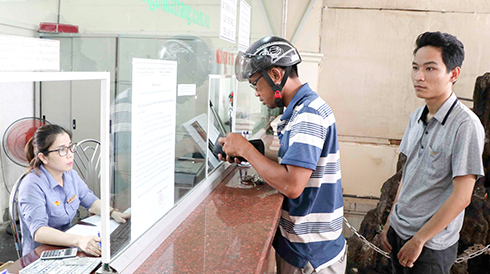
221	90
194	64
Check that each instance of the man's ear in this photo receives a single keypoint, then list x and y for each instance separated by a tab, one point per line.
455	74
276	75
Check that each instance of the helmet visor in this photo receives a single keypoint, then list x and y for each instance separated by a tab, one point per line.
247	65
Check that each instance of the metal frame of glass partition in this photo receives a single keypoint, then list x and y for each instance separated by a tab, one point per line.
104	77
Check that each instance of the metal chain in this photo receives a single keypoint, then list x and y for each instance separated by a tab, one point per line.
477	250
371	245
470	253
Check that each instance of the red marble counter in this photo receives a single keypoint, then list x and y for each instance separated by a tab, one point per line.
231	231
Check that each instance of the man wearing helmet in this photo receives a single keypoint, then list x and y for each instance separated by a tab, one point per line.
309	238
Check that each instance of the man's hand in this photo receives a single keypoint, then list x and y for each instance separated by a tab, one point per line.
384	238
234	145
90	245
410	252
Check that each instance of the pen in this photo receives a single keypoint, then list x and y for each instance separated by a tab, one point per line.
98	234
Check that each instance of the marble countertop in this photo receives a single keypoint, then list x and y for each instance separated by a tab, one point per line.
231	231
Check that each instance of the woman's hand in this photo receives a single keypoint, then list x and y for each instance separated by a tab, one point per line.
90	245
120	217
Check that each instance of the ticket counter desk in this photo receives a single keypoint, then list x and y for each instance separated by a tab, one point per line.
231	231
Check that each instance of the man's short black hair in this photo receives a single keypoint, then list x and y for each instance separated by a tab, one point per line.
452	50
295	70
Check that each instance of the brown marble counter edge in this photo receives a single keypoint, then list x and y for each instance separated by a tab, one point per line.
268	245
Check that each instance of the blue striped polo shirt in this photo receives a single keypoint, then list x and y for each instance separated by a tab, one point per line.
310	229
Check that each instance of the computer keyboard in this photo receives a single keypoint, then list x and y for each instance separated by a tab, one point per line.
120	237
62	266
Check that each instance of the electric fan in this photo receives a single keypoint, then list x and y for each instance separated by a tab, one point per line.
16	137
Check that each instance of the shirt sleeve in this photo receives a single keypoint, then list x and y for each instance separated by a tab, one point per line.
86	196
32	205
468	149
307	138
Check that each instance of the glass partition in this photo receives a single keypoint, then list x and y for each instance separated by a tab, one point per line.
90	169
209	102
221	113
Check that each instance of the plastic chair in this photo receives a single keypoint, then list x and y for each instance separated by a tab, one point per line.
13	212
87	163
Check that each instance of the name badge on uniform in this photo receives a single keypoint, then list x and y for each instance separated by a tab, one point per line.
71	199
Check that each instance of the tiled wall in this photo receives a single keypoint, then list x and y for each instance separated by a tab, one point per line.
16	101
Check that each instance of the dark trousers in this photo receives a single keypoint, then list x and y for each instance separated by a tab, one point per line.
429	262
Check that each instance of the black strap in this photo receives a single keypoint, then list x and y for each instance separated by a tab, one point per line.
277	88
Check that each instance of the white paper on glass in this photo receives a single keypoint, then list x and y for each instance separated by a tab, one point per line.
186	89
227	27
29	54
244	25
152	142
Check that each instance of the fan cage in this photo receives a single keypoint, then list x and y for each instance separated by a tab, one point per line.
16	137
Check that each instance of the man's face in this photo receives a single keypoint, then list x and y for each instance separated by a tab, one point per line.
262	90
429	74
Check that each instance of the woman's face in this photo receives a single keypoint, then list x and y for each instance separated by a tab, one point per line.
53	161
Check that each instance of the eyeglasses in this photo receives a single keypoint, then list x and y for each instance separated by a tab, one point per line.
254	83
63	151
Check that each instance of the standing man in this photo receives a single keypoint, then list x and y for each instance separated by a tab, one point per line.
444	145
309	238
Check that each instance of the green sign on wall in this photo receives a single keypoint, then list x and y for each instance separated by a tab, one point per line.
179	9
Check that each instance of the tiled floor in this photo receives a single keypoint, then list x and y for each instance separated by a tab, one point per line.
7	247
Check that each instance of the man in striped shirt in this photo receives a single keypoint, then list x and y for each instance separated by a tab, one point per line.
309	238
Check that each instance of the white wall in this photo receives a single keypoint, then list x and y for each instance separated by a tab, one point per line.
23	17
20	18
371	62
365	166
16	101
365	73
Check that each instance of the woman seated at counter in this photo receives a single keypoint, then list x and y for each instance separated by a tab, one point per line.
51	192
